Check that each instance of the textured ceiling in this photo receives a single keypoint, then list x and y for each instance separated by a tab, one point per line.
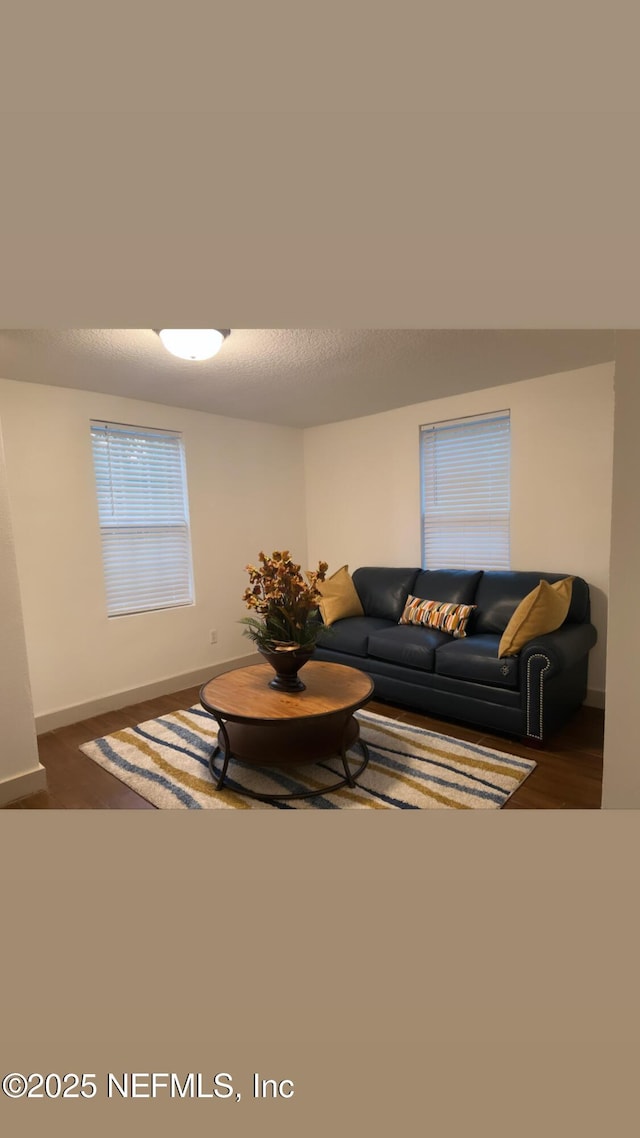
297	377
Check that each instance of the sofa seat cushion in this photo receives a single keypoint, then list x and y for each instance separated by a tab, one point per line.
411	645
476	659
352	634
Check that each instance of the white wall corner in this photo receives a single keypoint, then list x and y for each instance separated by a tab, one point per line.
22	785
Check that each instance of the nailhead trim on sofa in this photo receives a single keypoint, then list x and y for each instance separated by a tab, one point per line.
536	656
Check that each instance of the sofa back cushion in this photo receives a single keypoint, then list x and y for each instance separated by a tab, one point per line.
382	591
455	585
499	593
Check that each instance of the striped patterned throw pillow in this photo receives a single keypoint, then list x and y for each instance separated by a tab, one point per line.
443	615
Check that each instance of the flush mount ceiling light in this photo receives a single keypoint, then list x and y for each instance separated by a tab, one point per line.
193	343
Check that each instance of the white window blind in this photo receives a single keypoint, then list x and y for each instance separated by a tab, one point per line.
144	518
465	473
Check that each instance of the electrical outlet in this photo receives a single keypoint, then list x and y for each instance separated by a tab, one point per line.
213	636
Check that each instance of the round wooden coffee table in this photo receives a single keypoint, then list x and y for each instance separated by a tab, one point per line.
262	727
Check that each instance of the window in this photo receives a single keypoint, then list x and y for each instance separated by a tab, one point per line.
144	517
465	475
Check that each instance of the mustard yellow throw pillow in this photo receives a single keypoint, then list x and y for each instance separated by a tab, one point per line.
542	610
339	597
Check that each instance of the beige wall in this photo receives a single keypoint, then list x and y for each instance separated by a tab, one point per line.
18	748
245	493
621	786
363	486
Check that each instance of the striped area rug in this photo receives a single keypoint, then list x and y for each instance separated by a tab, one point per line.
166	761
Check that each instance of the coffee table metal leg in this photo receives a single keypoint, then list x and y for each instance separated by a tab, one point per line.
346	743
216	751
343	751
352	776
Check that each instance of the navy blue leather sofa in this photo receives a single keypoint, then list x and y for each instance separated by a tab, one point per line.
529	695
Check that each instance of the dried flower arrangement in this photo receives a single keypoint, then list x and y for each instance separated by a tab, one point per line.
286	603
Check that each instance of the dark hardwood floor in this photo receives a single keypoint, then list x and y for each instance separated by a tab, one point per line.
568	775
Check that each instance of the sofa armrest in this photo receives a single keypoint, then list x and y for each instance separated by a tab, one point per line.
562	648
555	654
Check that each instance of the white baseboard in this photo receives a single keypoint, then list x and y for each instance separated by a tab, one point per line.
21	785
595	698
67	715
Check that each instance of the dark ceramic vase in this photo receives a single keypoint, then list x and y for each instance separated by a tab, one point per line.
286	665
